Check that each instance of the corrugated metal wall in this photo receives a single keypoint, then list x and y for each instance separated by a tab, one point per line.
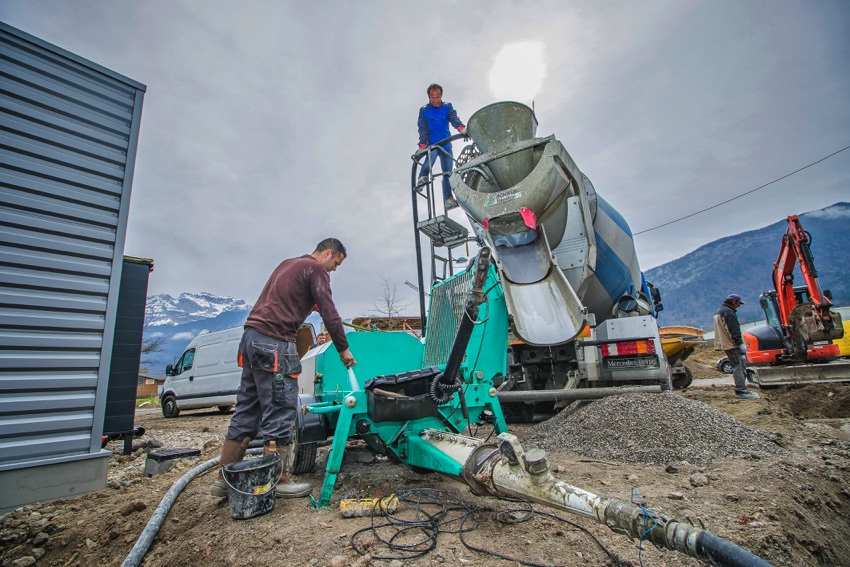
68	134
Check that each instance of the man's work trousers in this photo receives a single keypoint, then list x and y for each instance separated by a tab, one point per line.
445	160
739	372
267	398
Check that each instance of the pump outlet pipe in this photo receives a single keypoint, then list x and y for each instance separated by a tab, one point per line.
504	469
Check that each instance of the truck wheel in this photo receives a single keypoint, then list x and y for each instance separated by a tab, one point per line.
682	380
302	456
518	412
224	409
169	407
724	366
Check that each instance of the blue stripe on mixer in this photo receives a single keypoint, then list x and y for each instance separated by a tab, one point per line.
611	271
612	213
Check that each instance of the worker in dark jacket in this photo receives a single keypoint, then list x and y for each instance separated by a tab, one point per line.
434	120
728	338
267	397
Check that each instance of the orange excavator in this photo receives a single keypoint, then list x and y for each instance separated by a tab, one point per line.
796	343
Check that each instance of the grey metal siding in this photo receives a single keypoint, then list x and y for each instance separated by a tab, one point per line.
68	135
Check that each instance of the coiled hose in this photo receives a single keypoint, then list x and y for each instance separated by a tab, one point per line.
134	558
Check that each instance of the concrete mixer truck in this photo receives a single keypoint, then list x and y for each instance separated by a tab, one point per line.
582	318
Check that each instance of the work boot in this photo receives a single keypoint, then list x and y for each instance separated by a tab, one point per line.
420	183
747	395
231	452
285	487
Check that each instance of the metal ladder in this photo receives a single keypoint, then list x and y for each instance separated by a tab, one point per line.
442	231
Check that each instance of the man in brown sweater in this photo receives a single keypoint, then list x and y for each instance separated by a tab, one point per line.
267	398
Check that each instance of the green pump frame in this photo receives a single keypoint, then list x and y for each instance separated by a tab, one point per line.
343	399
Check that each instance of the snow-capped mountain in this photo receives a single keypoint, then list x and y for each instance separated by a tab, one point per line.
188	308
175	322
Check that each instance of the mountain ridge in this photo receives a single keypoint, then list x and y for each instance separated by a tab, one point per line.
694	286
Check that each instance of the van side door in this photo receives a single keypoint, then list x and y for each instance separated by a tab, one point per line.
231	374
183	376
205	387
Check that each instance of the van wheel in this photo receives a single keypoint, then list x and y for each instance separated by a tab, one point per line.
169	407
224	409
302	456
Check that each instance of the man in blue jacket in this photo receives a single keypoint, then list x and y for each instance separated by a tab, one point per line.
434	120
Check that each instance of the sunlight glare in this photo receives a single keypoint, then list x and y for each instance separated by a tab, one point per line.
518	71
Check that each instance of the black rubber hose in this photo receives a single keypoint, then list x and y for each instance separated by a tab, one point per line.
717	551
137	554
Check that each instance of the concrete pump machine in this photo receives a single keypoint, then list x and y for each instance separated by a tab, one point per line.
556	268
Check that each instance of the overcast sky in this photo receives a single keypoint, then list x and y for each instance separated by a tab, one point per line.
268	126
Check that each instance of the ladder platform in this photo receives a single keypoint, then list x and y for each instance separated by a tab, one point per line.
443	231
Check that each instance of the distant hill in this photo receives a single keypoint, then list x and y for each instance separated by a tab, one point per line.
694	286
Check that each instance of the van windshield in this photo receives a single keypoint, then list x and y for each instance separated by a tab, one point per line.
185	362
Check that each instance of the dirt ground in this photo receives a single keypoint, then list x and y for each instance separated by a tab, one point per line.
791	510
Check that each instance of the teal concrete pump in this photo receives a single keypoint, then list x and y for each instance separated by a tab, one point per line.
423	402
427	416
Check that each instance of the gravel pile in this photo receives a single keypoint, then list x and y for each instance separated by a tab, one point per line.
652	428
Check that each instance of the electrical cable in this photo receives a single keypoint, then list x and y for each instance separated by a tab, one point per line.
509	517
436	511
647	515
742	194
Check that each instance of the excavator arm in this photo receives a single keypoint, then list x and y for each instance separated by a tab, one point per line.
795	248
803	321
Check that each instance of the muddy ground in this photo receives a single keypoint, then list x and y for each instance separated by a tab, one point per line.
791	510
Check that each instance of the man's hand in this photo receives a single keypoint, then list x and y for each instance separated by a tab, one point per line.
347	358
461	129
422	146
743	348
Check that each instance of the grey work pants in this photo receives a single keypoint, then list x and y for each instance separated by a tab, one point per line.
739	372
267	398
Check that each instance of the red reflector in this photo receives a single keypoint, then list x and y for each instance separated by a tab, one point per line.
628	348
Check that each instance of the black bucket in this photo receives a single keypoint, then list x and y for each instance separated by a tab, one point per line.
250	485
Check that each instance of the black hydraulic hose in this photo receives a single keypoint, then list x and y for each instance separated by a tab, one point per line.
418	243
137	554
717	551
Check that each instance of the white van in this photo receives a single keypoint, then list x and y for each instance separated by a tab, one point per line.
206	376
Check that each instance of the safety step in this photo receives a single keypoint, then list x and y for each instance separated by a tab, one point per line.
443	231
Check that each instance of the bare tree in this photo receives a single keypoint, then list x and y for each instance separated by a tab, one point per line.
151	345
389	304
